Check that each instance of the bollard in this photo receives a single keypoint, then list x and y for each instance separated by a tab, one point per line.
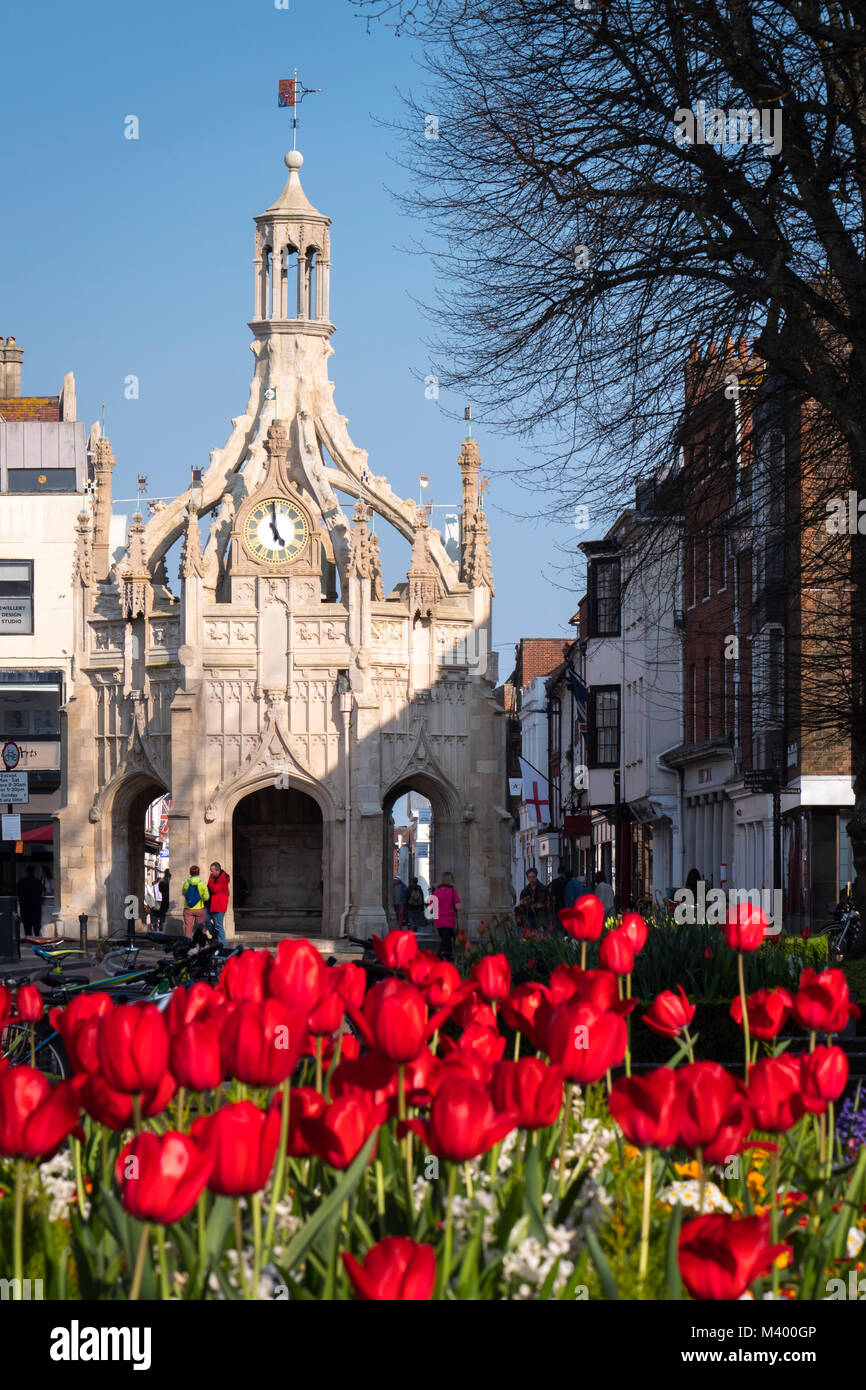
82	930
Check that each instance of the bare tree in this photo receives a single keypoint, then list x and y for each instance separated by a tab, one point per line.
606	181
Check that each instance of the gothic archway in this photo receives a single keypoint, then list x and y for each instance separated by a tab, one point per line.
278	862
122	867
447	849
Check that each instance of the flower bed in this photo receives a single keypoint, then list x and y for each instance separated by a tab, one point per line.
244	1145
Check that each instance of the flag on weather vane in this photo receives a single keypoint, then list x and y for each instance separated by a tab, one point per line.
287	92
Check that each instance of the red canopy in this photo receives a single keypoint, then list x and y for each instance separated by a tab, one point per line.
41	833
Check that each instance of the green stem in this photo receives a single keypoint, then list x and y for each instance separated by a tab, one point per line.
445	1267
702	1182
181	1106
645	1216
774	1214
257	1242
689	1044
517	1037
163	1264
239	1246
139	1263
563	1135
277	1187
79	1176
18	1229
201	1223
742	979
32	1045
136	1113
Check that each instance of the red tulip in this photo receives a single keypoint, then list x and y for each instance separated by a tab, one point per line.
114	1108
669	1013
774	1093
327	1016
585	1042
647	1108
305	1104
198	1003
585	920
78	1025
263	1042
806	933
397	949
35	1117
493	974
616	952
822	1003
768	1011
5	1003
708	953
161	1177
636	930
705	1091
824	1076
297	975
245	978
195	1056
133	1047
526	1010
735	1128
351	982
243	1142
372	1077
341	1130
596	987
463	1122
438	980
395	1016
721	1256
396	1270
474	1010
531	1089
29	1003
745	927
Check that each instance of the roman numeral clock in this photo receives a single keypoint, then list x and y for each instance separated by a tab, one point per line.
275	531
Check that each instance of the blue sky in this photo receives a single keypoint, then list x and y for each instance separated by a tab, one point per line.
134	257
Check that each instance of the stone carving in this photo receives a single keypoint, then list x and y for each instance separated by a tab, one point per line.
307	632
390	634
217	633
210	813
243	590
164	634
243	632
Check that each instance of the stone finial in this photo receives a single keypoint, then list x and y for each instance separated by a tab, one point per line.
477	566
425	584
364	561
134	573
276	440
102	462
191	563
82	568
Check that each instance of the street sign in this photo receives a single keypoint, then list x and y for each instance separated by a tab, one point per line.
14	787
11	755
10	827
760	780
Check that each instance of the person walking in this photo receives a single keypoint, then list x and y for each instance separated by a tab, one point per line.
398	899
534	900
29	891
415	906
218	887
558	886
163	888
603	891
445	907
195	895
574	889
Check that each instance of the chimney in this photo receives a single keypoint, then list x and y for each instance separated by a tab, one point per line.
10	374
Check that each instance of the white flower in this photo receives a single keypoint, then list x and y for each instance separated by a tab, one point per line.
687	1194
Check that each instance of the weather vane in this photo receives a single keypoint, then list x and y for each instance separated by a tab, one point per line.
291	92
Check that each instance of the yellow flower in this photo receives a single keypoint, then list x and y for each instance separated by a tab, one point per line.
687	1170
756	1183
630	1151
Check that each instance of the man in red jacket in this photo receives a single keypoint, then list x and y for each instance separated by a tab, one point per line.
218	884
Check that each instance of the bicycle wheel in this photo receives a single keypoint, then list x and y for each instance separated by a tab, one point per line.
49	1052
127	959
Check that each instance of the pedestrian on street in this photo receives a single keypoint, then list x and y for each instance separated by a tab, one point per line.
29	891
195	895
398	898
163	888
415	906
218	887
574	889
447	902
604	892
558	886
534	901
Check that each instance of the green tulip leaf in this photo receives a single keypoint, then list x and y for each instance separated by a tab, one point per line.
602	1268
329	1209
673	1282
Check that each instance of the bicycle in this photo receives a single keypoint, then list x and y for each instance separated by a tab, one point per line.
844	931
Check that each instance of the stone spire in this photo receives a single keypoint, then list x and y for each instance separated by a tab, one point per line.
134	573
364	561
191	562
293	262
475	566
102	462
82	568
425	583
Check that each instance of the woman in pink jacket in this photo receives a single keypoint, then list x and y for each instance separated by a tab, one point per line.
447	903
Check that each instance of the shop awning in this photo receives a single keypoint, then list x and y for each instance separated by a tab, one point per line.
43	834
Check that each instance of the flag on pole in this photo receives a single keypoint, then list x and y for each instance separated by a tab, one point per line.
270	393
423	480
536	794
287	92
196	477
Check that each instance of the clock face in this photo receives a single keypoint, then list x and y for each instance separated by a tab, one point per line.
275	531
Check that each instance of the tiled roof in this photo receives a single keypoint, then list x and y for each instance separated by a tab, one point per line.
39	408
